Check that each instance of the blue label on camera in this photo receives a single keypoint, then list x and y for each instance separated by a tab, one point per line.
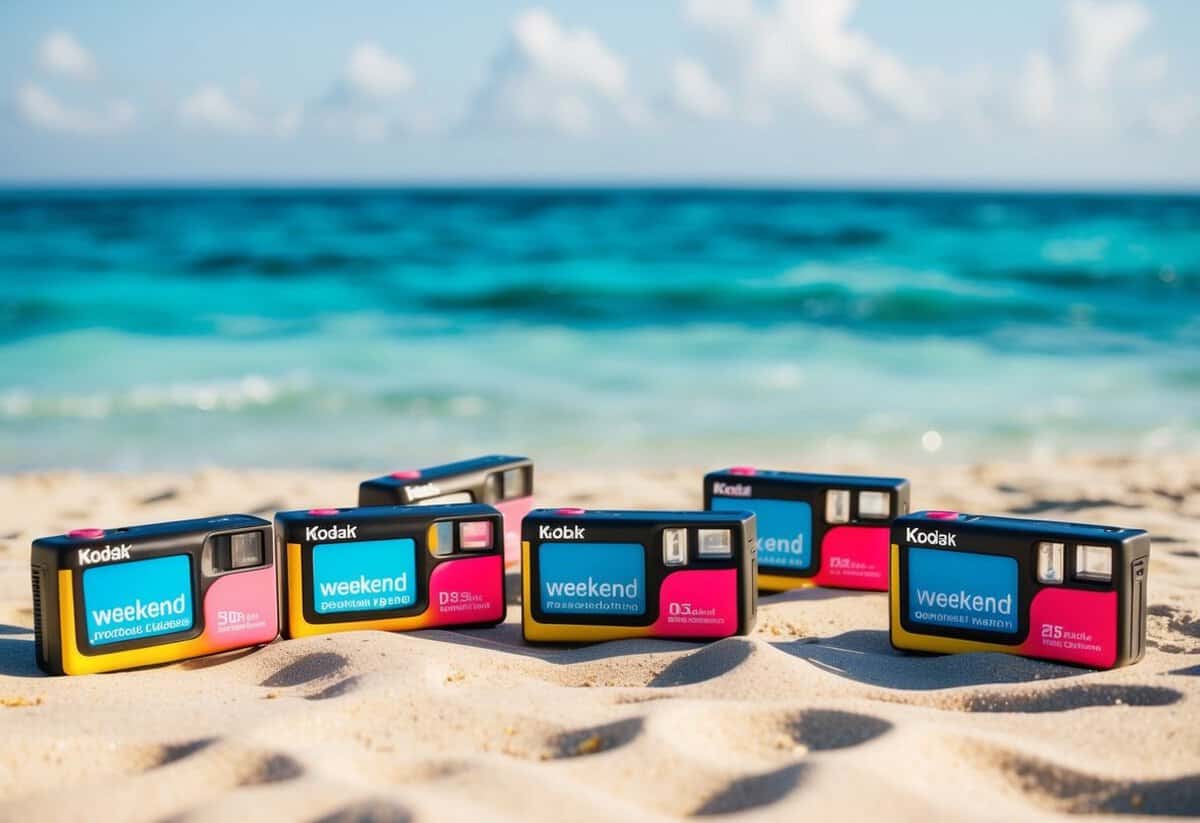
369	575
962	590
784	529
142	598
593	578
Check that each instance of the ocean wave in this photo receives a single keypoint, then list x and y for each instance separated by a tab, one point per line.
447	248
279	265
296	394
783	235
1161	279
293	263
22	313
252	390
57	261
816	302
896	301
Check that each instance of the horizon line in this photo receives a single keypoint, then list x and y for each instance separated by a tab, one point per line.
1162	188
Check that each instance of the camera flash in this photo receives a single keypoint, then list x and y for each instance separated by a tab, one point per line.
674	547
875	505
1050	562
837	506
442	537
1093	563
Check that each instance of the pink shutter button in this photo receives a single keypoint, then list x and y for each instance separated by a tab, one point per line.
570	510
745	471
86	534
941	515
406	474
323	512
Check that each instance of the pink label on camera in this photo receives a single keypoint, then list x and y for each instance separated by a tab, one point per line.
514	512
470	590
698	604
240	609
854	557
1074	626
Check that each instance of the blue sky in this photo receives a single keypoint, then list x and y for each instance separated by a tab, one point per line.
1078	92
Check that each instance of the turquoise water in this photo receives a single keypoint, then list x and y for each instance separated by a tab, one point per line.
380	328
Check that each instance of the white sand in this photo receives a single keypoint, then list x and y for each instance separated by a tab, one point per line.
813	714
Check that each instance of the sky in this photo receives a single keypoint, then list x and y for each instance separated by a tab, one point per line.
1078	93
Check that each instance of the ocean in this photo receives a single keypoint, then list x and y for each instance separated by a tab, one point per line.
376	329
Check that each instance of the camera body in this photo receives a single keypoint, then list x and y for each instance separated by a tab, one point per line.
394	568
111	599
814	529
501	481
1067	592
605	575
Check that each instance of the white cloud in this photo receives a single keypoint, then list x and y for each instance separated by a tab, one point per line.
211	108
42	109
1099	84
695	91
549	76
1098	35
366	102
717	14
61	53
576	57
908	91
359	104
771	57
806	53
373	72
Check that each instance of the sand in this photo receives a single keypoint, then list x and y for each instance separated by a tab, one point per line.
813	714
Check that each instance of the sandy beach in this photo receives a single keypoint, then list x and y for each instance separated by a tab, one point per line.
812	714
